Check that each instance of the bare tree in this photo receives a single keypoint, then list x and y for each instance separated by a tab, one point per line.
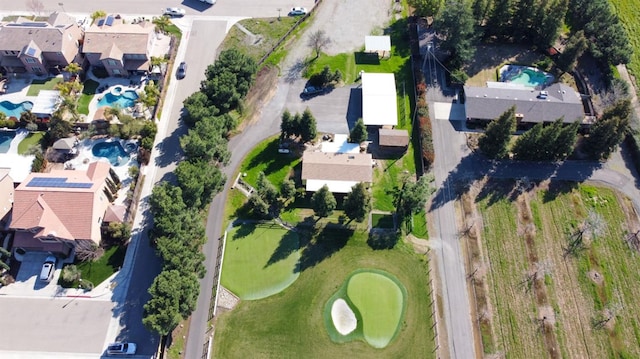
318	41
608	313
590	228
633	241
35	6
540	270
88	251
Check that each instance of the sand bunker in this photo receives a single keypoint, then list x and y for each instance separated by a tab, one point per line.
344	320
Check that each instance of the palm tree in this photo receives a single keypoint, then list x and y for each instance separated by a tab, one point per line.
157	61
111	112
97	15
73	68
68	88
162	23
5	253
68	104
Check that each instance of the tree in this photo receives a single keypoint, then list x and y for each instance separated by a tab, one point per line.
36	6
258	206
27	117
576	45
88	251
323	202
4	253
287	189
199	182
499	19
545	143
318	41
180	253
591	227
228	80
173	297
608	132
161	23
99	14
73	68
68	104
197	107
119	231
357	203
426	7
412	197
548	22
266	190
494	141
206	142
71	273
358	133
456	28
480	9
308	130
287	125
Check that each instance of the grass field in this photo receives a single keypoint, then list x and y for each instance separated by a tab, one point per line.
260	260
265	158
627	11
98	271
37	85
267	32
543	303
32	139
88	91
290	324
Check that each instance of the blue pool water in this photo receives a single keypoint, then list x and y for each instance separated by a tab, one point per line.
15	110
113	151
5	140
529	78
124	100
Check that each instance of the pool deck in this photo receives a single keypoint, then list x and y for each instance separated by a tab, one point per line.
110	83
17	88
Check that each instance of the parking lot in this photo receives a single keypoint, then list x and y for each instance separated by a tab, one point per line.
336	111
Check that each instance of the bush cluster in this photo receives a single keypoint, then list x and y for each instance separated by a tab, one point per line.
424	123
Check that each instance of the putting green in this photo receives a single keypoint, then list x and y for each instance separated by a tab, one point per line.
259	260
377	299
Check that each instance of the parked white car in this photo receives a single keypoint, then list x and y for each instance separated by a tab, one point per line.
173	11
121	349
210	2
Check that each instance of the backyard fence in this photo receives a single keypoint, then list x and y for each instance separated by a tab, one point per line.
216	277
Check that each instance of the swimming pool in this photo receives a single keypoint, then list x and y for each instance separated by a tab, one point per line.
113	151
125	99
15	110
526	76
5	140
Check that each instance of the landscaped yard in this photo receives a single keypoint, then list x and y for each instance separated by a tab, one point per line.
265	158
544	300
291	324
98	271
47	84
32	139
88	91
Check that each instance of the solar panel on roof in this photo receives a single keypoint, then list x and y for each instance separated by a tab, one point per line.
100	22
56	182
109	21
31	51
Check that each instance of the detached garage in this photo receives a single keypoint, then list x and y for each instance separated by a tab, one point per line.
379	104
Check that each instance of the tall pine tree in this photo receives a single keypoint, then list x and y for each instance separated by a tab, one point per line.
495	140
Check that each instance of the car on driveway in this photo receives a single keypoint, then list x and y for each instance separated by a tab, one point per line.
48	269
121	349
173	11
182	70
311	91
297	11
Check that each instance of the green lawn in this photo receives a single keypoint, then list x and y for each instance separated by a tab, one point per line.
110	262
88	91
260	260
265	157
291	323
380	303
32	139
38	84
380	220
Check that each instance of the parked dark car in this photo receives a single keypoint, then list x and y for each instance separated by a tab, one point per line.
182	70
310	91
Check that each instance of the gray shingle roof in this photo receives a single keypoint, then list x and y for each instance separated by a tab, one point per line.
489	103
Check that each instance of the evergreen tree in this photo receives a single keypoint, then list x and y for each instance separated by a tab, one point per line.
609	131
412	197
500	19
323	202
287	189
480	10
548	22
495	140
456	25
308	130
357	203
426	7
358	132
266	190
576	45
287	124
527	146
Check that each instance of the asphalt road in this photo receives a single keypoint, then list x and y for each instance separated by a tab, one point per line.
244	8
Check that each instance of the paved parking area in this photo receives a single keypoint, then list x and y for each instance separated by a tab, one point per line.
335	111
27	282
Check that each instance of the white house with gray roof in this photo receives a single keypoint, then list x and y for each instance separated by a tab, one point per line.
484	104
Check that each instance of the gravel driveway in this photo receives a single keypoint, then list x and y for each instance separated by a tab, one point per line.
346	22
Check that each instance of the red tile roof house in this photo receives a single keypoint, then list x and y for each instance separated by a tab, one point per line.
40	47
122	49
57	211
